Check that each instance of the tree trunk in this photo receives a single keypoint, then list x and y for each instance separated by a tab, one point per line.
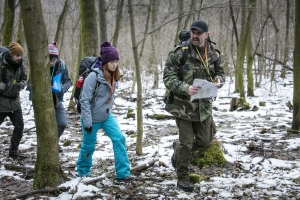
102	23
241	47
179	21
287	33
118	22
189	17
61	21
296	96
250	85
88	28
9	16
47	170
153	61
20	31
139	140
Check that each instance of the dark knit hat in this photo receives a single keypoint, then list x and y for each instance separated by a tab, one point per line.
15	48
108	52
200	26
53	52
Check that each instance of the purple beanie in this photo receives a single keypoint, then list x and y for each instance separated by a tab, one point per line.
108	53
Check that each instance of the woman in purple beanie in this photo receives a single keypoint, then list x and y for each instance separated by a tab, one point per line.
96	113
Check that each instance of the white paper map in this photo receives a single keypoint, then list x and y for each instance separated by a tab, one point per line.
208	89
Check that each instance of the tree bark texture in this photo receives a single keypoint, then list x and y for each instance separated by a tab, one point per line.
296	97
103	21
139	101
89	31
118	22
47	171
60	24
9	16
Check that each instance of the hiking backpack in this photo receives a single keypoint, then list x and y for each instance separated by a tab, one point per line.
3	68
84	69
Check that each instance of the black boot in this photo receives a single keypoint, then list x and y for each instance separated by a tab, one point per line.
185	185
60	130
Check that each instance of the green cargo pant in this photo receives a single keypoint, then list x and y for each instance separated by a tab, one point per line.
193	136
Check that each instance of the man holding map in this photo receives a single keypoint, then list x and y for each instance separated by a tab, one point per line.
192	109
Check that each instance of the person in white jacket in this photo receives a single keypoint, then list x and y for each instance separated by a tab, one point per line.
96	113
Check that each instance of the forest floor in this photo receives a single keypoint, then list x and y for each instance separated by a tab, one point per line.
263	157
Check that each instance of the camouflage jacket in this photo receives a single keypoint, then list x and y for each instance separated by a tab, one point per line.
178	82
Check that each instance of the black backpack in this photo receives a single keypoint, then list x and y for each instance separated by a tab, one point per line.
84	69
3	49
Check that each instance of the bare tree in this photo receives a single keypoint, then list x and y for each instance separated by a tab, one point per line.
47	171
62	18
139	100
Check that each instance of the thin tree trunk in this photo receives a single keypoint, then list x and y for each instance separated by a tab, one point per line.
287	33
9	16
296	96
61	20
179	20
47	170
153	60
102	23
233	23
118	22
189	17
20	31
139	140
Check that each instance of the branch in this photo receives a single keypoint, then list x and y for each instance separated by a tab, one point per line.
182	15
278	61
143	166
51	190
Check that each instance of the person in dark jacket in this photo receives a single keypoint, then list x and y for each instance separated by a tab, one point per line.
12	80
193	118
96	113
58	66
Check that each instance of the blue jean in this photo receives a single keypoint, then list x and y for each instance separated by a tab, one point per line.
112	129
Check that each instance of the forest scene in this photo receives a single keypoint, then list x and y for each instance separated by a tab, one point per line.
256	111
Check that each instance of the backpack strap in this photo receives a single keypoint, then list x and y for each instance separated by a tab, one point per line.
184	56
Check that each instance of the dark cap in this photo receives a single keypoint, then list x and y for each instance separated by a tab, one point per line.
200	26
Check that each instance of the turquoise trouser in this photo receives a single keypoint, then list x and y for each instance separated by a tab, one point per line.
112	129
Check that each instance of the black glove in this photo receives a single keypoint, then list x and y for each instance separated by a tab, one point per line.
88	130
21	85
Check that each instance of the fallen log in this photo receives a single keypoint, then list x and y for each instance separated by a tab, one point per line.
41	191
143	166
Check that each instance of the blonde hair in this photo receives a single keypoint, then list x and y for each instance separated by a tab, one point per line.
107	73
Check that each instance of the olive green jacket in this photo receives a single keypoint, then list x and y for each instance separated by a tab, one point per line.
178	81
9	98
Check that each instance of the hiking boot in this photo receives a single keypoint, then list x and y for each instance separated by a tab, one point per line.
16	155
185	185
174	156
126	179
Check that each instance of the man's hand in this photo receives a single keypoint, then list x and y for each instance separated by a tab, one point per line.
2	86
193	90
21	85
218	82
88	130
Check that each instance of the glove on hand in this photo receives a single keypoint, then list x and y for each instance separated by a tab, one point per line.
2	86
21	85
88	130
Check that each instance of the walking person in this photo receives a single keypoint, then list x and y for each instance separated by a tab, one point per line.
12	81
97	99
58	66
193	119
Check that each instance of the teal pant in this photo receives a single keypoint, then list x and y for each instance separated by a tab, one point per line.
112	129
